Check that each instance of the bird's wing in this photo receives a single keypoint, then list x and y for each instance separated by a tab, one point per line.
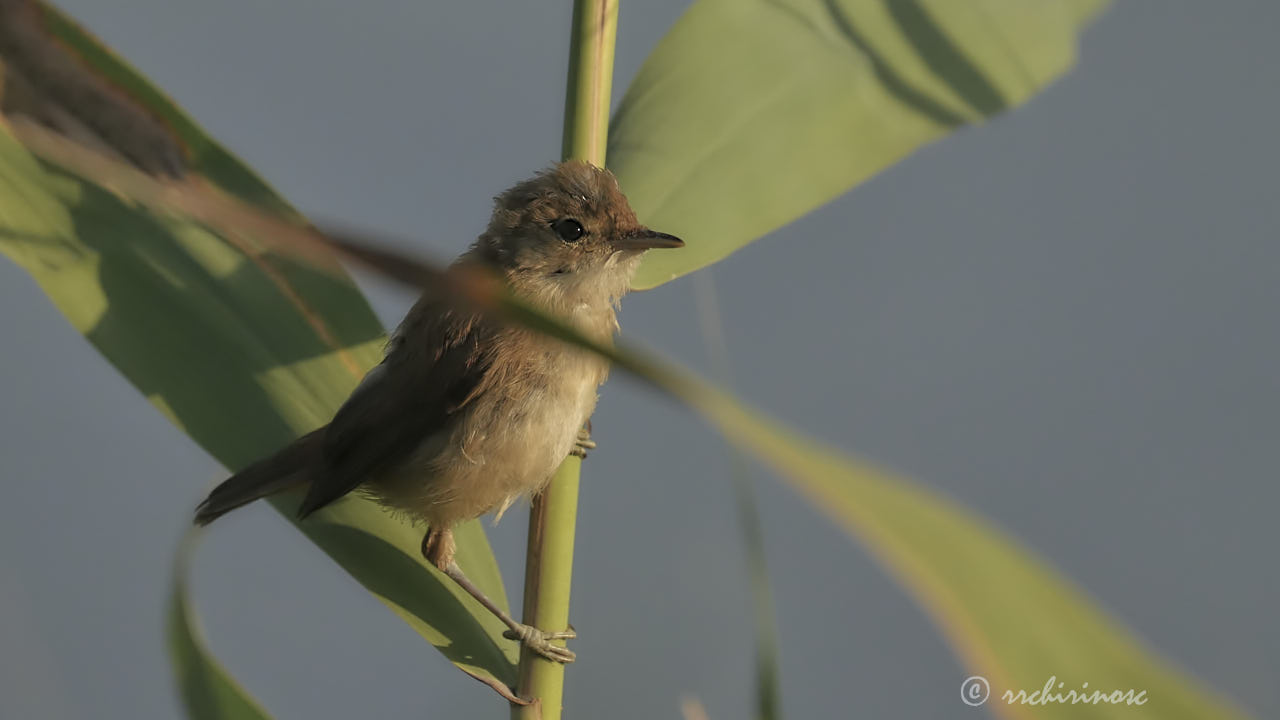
438	361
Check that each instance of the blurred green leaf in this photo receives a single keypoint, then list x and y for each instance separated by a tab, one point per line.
1005	612
243	348
751	113
208	691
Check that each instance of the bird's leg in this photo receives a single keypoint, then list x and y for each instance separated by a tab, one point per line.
584	442
438	548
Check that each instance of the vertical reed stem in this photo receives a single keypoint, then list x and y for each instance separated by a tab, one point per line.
553	518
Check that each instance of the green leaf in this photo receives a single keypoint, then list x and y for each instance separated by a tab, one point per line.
243	348
208	691
1008	616
749	114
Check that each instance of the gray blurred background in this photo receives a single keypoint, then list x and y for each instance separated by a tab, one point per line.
1064	319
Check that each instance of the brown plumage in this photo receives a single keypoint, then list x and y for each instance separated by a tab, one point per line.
464	415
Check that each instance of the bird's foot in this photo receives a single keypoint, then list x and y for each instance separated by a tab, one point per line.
583	443
540	642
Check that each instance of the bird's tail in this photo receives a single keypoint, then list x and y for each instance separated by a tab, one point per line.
285	469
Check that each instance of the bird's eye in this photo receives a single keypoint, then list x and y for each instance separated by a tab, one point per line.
568	229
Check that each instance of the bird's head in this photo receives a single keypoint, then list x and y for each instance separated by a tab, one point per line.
568	234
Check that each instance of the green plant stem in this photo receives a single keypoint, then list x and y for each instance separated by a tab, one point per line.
553	517
548	577
766	625
586	106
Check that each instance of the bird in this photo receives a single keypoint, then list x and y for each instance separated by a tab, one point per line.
466	414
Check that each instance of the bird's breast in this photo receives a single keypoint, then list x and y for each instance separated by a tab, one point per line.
508	440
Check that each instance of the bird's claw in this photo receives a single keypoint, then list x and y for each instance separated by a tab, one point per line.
540	642
583	443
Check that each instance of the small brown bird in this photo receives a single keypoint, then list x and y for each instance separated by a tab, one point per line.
464	415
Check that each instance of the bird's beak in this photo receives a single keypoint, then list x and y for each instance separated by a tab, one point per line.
646	239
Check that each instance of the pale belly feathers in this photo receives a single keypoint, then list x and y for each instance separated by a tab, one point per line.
506	443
